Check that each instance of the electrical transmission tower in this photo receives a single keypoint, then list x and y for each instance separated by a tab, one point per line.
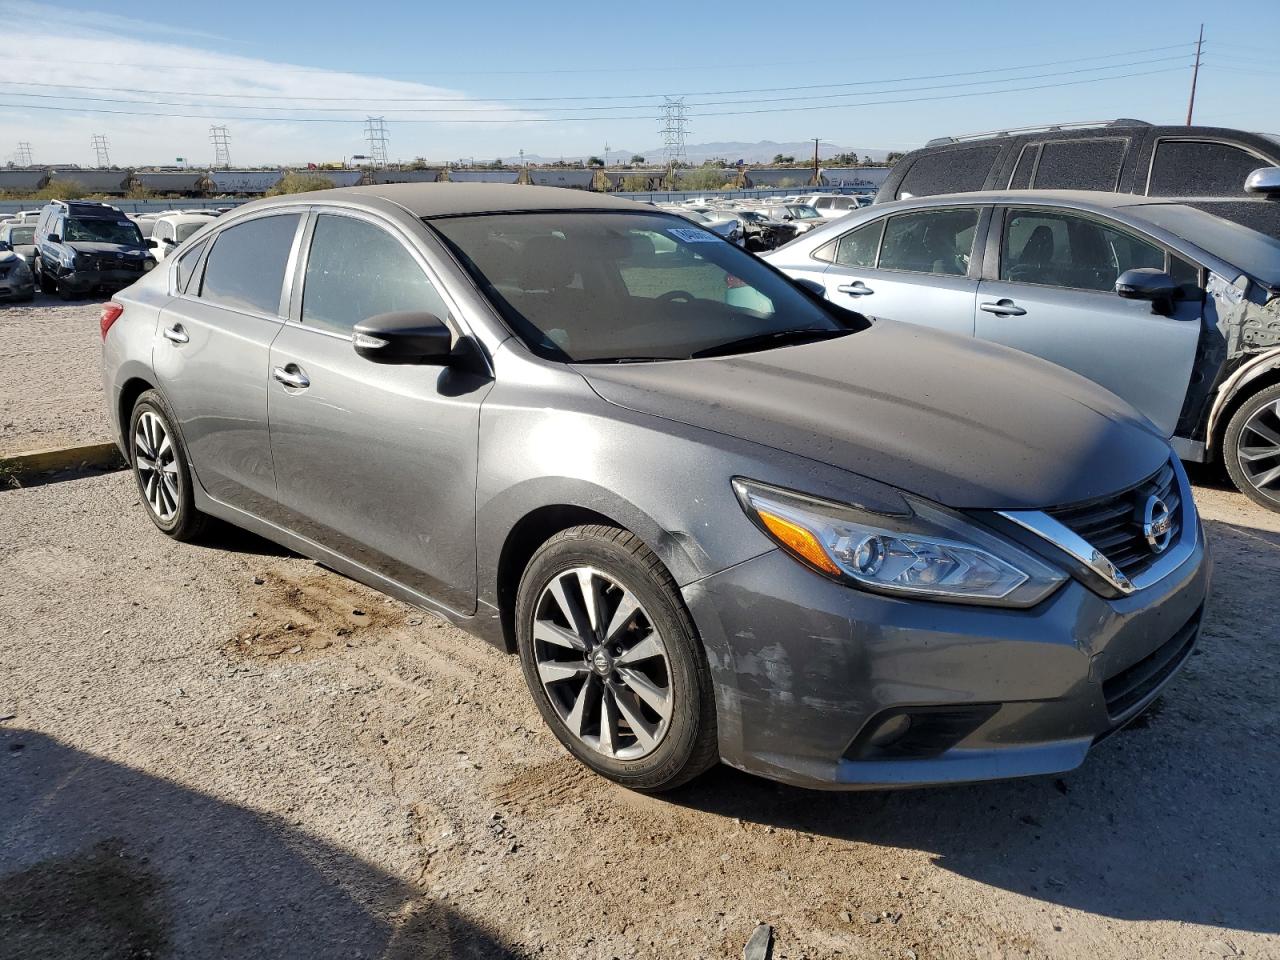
375	131
674	130
100	148
23	154
221	140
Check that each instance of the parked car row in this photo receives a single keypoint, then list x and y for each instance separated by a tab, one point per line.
717	514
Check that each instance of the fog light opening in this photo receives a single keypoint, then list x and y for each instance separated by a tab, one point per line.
890	731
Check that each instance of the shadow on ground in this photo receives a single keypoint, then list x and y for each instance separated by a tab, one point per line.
1172	819
101	861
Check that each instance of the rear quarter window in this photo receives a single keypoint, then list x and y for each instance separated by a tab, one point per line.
949	171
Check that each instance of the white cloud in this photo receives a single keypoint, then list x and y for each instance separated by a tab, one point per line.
101	51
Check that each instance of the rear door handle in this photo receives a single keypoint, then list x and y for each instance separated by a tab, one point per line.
855	289
176	334
1003	308
291	375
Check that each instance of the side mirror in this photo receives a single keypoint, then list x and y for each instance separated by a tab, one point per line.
4	246
1148	283
1265	181
54	238
407	337
153	243
170	241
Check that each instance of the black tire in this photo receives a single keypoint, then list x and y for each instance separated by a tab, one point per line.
64	292
186	523
689	746
47	284
1231	443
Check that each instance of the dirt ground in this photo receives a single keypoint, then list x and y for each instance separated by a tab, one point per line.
225	751
50	382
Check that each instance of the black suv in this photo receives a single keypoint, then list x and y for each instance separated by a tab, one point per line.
82	246
1203	167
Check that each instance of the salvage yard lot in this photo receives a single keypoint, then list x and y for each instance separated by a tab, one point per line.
226	751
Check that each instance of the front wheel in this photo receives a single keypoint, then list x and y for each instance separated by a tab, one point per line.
159	463
612	659
47	284
1251	448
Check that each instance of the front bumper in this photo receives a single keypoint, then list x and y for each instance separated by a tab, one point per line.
805	669
11	288
86	281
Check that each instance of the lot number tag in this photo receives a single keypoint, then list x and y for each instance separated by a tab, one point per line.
692	235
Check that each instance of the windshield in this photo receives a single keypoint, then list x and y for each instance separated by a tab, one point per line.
1257	254
19	235
583	287
804	213
185	230
102	231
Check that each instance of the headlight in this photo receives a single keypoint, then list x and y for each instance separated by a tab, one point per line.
929	552
147	264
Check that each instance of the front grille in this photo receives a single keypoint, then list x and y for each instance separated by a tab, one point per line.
1113	525
1131	686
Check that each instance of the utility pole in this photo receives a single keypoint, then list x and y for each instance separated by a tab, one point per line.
1195	75
100	148
375	131
23	156
815	161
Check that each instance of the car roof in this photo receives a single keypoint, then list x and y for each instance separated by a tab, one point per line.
428	200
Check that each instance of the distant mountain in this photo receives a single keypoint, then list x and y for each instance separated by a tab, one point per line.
732	151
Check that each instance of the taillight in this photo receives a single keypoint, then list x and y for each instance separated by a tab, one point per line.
110	314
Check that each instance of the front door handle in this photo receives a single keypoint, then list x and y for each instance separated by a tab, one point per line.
1003	308
855	289
291	375
176	334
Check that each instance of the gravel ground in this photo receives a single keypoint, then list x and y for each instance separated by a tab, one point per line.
50	382
225	751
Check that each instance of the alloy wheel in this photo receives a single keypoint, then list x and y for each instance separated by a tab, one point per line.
1258	450
154	458
603	664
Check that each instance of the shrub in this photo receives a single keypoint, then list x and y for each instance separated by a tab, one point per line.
294	182
60	190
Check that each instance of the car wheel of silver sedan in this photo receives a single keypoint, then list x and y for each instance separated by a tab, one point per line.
611	658
1251	448
159	464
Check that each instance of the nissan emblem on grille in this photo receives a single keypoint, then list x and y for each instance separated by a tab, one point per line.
1157	524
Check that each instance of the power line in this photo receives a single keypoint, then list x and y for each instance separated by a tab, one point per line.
512	120
604	109
640	96
257	69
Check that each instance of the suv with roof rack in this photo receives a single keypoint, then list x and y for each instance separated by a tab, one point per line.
84	245
1216	169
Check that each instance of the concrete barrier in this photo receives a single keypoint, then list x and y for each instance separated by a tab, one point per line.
21	466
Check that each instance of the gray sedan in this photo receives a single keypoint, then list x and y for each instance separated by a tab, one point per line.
716	516
1173	309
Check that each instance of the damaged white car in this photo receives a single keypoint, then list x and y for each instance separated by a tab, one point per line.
1172	308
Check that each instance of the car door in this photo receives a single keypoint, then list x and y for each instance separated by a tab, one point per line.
1050	291
917	267
212	349
374	461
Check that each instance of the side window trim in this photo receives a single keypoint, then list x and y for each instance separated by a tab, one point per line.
296	277
1217	141
197	269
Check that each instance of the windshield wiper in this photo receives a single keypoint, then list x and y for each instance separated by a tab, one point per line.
767	341
627	359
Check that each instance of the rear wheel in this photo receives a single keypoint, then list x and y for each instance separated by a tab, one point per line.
1251	448
160	468
612	660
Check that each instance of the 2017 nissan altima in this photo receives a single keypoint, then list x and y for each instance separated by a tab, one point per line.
716	516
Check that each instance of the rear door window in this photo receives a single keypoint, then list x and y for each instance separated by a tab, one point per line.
1200	168
187	265
245	268
933	241
357	270
1063	250
949	171
1080	164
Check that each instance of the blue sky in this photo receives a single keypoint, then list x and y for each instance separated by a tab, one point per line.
235	61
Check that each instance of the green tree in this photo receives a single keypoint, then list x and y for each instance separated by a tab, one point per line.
295	182
594	162
781	160
60	190
636	158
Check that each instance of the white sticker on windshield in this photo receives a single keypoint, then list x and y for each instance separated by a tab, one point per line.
692	235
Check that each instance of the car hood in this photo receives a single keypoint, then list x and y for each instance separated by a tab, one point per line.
97	246
965	423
